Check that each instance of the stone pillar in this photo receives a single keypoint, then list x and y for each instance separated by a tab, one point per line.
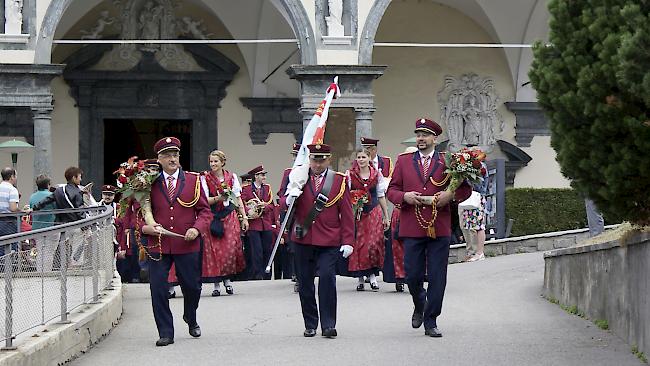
364	124
42	140
355	82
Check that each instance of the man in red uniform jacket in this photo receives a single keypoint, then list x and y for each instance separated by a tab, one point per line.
379	162
260	230
318	239
417	174
180	206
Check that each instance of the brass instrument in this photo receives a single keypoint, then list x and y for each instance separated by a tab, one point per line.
254	208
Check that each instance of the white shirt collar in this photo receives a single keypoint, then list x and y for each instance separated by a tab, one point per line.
429	155
256	187
175	175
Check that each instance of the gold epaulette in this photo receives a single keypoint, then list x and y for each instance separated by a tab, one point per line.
197	193
391	167
341	174
193	173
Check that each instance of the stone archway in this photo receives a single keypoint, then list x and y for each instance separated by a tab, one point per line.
293	8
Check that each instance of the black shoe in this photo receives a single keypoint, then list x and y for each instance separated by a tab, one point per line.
374	286
162	342
309	332
295	287
294	279
194	329
367	280
417	319
171	295
216	293
433	332
399	287
229	290
360	287
329	333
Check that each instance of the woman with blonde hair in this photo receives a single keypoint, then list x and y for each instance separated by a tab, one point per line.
367	183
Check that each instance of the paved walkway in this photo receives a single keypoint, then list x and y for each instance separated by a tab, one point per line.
493	315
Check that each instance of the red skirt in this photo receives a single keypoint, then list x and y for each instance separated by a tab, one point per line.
222	257
397	245
369	244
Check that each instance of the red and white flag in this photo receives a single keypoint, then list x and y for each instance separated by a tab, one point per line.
315	131
314	134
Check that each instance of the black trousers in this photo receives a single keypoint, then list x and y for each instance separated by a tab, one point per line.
261	245
188	271
308	258
432	255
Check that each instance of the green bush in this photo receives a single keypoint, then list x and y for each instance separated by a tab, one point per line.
544	210
593	81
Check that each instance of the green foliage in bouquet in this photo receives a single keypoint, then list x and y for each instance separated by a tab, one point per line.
593	81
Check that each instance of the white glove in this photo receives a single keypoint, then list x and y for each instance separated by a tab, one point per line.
292	194
346	250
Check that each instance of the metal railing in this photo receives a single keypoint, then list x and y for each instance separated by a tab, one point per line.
46	273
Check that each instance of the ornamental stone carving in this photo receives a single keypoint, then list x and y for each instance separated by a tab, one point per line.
468	107
13	16
147	20
335	19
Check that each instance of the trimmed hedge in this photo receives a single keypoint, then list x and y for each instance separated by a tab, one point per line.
543	210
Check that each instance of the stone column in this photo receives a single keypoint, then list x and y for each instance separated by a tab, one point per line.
364	124
42	140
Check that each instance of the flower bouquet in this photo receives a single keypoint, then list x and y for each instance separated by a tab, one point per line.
464	165
228	195
135	181
359	198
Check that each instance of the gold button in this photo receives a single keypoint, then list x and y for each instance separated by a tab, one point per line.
171	218
171	208
425	189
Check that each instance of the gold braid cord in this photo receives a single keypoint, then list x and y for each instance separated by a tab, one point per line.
442	182
197	195
428	225
142	251
331	202
270	195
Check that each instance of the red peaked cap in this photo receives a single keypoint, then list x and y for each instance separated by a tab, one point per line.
167	143
427	125
295	148
256	170
319	151
107	188
367	141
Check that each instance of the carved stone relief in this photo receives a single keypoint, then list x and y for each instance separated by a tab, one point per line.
468	107
147	19
335	18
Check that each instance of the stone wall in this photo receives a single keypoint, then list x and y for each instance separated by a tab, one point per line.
525	244
606	281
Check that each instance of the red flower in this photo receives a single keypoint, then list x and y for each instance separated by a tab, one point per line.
128	172
476	164
140	165
483	172
122	179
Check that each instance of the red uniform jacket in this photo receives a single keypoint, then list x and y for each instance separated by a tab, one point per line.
386	165
284	182
125	224
334	226
264	222
177	218
407	177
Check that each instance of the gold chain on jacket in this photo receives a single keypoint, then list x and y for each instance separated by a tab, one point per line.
442	182
428	225
142	248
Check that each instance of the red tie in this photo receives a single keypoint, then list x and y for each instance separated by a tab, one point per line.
171	188
425	166
317	181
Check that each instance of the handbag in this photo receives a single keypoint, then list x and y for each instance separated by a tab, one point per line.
472	203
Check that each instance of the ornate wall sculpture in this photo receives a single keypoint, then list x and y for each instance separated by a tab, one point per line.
468	107
147	19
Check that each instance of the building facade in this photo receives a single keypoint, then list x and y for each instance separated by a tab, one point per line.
100	99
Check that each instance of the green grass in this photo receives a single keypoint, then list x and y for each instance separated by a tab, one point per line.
639	355
602	324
